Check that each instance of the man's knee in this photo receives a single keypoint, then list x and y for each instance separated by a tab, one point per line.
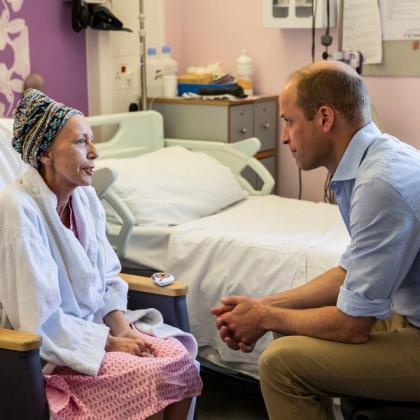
280	356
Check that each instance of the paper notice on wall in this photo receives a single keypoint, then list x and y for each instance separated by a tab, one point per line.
400	19
362	29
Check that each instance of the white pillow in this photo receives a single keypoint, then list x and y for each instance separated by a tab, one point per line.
173	185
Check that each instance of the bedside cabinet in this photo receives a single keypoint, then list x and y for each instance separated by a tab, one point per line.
225	121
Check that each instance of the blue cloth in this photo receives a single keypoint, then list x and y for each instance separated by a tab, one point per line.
377	186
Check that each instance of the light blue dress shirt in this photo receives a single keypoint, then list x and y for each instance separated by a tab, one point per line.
377	186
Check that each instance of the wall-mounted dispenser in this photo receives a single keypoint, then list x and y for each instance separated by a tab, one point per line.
298	13
90	13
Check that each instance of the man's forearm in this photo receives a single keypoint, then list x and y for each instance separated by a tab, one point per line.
328	323
321	291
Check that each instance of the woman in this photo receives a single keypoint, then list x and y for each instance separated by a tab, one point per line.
60	280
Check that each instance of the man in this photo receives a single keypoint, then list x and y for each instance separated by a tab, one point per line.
354	330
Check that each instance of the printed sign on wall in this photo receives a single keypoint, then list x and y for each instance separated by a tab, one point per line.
14	55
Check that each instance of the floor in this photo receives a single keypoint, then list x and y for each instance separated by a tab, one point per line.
222	399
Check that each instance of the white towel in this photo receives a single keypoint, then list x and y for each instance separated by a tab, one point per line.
150	321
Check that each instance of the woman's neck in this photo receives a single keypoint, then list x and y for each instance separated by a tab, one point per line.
63	195
63	210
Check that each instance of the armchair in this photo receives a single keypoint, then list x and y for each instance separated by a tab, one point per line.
22	393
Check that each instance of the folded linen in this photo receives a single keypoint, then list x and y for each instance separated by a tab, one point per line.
150	321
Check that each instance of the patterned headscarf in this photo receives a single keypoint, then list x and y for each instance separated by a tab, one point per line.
38	119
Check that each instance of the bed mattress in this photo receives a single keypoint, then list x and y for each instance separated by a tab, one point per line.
260	246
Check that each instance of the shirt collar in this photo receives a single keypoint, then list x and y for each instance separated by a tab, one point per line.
350	162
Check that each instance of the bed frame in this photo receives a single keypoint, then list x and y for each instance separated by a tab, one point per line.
135	133
141	132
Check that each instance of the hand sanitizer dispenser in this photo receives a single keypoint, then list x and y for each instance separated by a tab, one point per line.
297	13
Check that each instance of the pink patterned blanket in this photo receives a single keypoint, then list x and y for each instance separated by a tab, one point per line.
127	387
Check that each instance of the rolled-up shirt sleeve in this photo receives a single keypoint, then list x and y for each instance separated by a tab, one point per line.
344	260
384	231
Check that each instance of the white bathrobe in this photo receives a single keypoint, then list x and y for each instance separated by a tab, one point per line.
53	284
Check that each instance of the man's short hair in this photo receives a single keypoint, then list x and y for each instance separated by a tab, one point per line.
336	85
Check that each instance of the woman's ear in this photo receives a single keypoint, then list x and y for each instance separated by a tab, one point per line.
45	158
327	116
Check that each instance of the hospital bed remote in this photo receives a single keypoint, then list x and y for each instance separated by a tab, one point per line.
162	279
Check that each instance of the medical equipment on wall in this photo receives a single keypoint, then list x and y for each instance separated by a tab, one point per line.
90	13
296	13
352	58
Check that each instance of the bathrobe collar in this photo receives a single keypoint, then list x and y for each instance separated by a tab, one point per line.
79	254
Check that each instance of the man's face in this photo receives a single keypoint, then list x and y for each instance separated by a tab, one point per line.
304	138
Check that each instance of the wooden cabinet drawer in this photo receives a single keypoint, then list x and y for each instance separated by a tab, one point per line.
241	122
265	123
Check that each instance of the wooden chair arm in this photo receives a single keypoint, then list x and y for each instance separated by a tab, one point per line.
145	285
18	340
23	341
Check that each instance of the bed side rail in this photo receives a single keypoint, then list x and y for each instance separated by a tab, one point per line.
136	133
236	156
103	178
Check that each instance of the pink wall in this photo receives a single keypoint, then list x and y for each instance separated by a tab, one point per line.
202	32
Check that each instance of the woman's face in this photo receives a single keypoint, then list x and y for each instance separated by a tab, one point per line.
69	161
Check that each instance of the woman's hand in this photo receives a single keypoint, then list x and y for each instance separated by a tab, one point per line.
124	338
132	344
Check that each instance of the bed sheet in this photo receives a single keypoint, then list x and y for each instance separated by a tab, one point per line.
147	246
259	246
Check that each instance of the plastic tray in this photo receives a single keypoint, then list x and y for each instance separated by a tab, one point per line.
193	87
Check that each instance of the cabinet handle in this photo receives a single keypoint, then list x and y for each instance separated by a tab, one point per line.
243	130
266	126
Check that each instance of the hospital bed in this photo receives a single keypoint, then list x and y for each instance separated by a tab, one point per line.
257	245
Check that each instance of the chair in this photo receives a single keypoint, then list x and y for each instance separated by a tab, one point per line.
364	409
22	395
